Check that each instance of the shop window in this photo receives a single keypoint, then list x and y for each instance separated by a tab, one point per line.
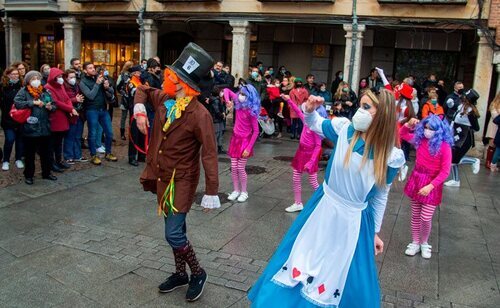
46	50
113	55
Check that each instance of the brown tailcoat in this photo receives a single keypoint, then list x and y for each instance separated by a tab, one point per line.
179	148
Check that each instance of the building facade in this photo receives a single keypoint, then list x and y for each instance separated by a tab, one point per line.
452	39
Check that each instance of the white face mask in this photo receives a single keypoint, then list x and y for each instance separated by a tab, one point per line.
361	120
221	94
60	80
72	81
429	133
242	98
35	83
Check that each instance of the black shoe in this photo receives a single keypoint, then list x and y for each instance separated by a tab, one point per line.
173	282
133	162
56	168
196	286
50	177
28	181
63	165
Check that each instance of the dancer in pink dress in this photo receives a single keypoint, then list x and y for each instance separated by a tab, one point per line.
245	133
433	140
306	159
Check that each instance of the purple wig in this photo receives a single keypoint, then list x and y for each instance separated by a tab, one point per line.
252	102
442	129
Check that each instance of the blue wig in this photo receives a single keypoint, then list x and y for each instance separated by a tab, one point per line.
443	133
252	102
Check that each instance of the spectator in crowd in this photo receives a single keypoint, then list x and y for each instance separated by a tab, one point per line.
36	130
217	110
441	91
310	85
152	76
45	71
11	84
22	68
324	93
76	65
60	118
72	147
298	95
219	74
229	78
255	80
96	92
339	76
260	66
373	80
126	102
432	106
144	64
430	82
281	73
453	101
363	86
136	143
347	99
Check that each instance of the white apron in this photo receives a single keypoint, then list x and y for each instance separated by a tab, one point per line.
323	250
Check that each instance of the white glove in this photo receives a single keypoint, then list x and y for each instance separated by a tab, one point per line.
139	108
210	202
382	76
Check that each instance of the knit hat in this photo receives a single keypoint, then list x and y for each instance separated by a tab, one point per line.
298	79
29	75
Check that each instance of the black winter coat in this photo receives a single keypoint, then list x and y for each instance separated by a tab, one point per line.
7	95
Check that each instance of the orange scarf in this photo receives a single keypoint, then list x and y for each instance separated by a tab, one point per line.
136	81
35	92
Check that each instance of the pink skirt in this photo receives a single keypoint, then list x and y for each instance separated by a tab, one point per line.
302	157
237	146
419	178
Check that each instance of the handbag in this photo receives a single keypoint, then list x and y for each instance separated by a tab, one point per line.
19	115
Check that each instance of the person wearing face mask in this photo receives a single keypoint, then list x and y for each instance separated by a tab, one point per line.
72	147
432	105
324	93
126	101
229	78
433	140
36	130
60	118
258	83
465	123
183	136
214	104
144	64
350	205
453	100
152	76
11	84
363	86
45	71
347	99
246	130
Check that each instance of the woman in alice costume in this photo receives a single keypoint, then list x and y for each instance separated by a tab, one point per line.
327	257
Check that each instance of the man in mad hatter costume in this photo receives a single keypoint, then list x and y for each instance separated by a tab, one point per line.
183	131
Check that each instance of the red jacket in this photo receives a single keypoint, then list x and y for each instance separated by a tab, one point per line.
298	96
59	120
273	92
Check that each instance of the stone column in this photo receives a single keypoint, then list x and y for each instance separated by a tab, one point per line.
150	38
72	39
356	67
482	77
241	48
13	40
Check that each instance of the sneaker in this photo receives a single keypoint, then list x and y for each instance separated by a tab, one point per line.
19	164
279	114
452	183
70	161
5	166
101	150
243	197
476	166
82	160
174	282
233	196
296	207
426	251
403	171
111	157
196	286
95	160
412	249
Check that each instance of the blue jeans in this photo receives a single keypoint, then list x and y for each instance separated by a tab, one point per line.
98	136
73	141
175	230
94	118
12	136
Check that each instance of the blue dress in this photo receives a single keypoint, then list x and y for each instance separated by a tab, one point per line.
361	285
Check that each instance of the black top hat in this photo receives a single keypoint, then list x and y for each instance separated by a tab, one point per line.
471	95
136	68
193	64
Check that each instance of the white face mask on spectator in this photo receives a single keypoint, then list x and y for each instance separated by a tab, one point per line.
35	83
72	81
60	80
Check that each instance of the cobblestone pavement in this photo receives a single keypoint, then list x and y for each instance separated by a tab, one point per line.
92	239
